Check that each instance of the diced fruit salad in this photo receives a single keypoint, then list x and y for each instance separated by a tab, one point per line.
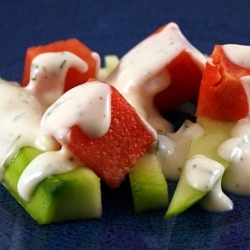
72	125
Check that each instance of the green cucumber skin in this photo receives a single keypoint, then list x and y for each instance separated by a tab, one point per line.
184	197
215	132
148	185
70	196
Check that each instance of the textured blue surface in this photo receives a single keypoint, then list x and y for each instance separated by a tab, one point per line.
114	27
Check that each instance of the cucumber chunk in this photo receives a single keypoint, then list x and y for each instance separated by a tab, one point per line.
73	195
215	132
148	184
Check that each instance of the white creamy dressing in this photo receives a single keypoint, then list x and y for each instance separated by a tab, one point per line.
20	123
43	166
88	106
47	75
238	54
173	148
237	151
142	74
202	172
216	200
21	111
205	174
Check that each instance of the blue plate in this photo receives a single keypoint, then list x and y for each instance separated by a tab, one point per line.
113	27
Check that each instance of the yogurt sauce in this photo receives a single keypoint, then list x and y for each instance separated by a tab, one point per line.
47	74
238	54
173	148
202	172
91	113
205	174
216	200
141	73
237	150
21	111
20	123
43	166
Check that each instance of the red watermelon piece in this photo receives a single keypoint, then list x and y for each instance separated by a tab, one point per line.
114	154
185	72
186	77
73	77
222	95
163	70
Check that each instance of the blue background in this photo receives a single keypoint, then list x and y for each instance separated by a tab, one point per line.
114	27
